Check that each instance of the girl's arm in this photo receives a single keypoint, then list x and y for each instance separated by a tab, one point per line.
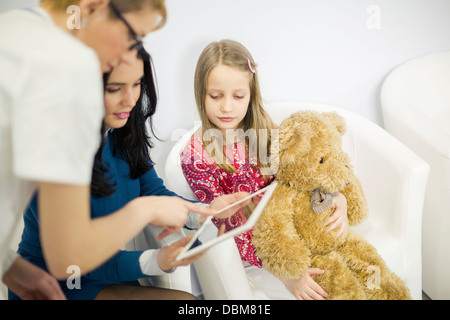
207	188
339	218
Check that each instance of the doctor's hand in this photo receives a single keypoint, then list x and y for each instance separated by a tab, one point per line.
29	282
168	212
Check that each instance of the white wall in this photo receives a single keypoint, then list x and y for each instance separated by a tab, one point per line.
6	5
332	51
315	50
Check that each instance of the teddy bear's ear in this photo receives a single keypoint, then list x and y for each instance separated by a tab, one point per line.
304	134
297	133
337	121
292	140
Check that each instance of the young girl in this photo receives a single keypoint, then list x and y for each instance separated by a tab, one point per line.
122	172
223	157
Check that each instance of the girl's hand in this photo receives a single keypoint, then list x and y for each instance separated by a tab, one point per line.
305	288
257	199
227	199
339	218
167	255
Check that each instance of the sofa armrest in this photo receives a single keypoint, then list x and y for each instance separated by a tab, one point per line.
220	271
393	177
413	126
394	180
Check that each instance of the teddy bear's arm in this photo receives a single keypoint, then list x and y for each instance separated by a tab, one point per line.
277	242
357	209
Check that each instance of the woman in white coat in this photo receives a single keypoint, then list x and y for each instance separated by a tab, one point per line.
51	106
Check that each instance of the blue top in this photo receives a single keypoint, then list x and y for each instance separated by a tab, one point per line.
124	266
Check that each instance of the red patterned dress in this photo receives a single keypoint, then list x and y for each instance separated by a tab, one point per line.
208	181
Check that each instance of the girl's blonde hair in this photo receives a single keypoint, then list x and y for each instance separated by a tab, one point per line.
60	5
123	6
233	54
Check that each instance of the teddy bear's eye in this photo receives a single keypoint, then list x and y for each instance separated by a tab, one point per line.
321	160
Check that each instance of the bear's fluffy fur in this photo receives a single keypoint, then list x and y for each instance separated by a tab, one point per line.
290	238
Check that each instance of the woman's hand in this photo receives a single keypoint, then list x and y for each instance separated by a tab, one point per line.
167	255
171	213
339	218
305	288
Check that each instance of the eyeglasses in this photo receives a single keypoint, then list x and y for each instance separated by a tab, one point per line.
138	45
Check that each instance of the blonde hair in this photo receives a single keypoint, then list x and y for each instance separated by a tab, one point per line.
233	54
60	5
123	6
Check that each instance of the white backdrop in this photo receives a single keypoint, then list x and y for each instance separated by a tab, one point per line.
331	51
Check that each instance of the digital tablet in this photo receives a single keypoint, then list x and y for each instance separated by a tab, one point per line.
190	249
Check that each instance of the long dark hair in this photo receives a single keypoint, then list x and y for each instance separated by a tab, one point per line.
132	141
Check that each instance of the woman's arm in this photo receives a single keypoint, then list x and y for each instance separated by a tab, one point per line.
70	237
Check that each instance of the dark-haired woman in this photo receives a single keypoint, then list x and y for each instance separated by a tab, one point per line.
123	172
51	102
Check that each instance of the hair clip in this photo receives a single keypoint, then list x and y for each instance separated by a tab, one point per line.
250	66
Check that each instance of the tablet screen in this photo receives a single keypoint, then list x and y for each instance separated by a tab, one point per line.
245	219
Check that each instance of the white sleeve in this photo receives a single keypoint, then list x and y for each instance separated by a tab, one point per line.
8	260
149	264
193	221
56	122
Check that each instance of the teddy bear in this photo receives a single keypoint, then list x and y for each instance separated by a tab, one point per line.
291	236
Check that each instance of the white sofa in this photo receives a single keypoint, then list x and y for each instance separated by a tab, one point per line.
415	100
393	178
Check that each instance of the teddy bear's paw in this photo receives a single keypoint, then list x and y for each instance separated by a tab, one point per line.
337	280
287	268
389	287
